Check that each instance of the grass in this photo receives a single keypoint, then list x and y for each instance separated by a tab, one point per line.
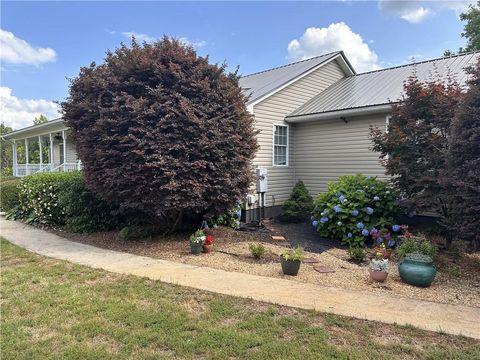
52	309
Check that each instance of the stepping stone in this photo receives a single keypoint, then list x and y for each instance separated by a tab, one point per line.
323	269
310	260
278	238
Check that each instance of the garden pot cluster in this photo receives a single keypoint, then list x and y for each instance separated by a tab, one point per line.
200	241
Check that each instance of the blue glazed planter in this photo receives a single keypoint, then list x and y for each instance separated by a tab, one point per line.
417	273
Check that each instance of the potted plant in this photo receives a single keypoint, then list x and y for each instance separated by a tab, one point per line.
416	267
291	260
196	242
379	269
385	241
208	244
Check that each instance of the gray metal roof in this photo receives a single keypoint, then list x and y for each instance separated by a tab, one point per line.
262	83
383	86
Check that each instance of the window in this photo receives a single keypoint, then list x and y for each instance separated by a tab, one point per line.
280	145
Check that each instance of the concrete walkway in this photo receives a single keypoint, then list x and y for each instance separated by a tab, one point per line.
452	319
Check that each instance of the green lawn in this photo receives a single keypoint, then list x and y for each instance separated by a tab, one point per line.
55	310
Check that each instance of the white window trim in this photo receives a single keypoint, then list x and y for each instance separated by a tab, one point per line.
273	144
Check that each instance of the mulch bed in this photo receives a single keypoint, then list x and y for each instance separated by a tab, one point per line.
457	280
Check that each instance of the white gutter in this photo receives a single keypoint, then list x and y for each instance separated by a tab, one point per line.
368	110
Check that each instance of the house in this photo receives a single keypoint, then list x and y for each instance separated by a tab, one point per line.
313	118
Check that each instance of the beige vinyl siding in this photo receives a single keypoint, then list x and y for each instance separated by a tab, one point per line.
327	149
272	111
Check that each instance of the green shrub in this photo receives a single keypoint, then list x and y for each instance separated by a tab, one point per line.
229	219
83	210
257	250
357	254
39	198
299	205
352	206
9	194
418	245
62	199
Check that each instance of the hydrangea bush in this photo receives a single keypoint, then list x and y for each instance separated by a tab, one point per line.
353	208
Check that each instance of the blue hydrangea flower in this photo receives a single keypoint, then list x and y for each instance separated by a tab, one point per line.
391	243
350	235
312	218
337	209
379	240
341	198
376	198
314	223
369	210
323	220
355	212
360	226
396	227
339	223
365	232
326	212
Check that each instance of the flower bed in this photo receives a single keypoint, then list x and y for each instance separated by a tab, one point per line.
452	285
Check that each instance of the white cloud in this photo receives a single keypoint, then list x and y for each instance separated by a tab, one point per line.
419	10
14	50
338	36
416	15
139	36
150	39
196	44
19	113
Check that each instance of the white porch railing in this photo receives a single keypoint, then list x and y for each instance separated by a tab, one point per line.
24	169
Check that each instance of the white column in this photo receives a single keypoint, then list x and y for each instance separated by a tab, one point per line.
41	151
14	153
27	168
52	164
64	137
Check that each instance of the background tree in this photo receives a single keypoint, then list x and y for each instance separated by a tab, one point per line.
414	148
464	163
161	131
6	153
40	119
471	30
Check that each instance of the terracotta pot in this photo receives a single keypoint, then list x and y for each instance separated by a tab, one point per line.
207	248
379	276
385	252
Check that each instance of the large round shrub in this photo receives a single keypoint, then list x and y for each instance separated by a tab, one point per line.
161	131
352	206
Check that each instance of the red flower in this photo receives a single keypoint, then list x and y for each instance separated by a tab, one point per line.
209	240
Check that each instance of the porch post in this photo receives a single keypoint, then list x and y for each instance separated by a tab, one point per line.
52	164
14	153
41	151
64	137
27	168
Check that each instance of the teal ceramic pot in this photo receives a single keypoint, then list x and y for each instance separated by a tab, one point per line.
417	272
196	248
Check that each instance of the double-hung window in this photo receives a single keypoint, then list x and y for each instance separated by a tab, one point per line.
280	145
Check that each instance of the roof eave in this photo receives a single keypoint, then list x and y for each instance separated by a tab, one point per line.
361	111
23	133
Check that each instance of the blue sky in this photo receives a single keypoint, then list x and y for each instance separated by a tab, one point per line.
42	43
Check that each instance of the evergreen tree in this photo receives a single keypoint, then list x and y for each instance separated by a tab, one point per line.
299	205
